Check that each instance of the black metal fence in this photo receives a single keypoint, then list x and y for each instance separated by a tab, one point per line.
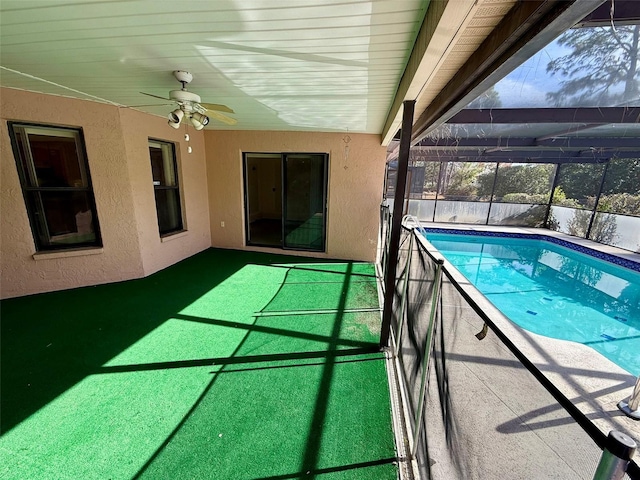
476	406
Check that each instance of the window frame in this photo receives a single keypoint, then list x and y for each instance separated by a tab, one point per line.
325	198
177	187
27	178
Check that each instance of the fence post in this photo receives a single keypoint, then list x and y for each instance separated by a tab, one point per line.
615	457
631	406
403	300
427	353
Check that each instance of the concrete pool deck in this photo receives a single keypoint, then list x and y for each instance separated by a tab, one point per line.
591	381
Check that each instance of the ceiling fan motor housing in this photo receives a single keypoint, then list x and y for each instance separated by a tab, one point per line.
183	96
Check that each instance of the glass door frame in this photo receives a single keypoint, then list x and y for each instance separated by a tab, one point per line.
325	189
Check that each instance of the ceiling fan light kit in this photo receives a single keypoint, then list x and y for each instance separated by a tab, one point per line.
176	116
190	107
198	118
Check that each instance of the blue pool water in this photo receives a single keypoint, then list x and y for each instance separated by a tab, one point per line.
554	291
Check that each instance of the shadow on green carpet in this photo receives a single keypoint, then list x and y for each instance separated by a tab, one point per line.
228	365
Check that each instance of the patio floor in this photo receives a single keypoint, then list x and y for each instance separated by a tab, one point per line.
228	365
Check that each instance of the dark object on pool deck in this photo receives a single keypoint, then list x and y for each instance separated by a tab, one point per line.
482	333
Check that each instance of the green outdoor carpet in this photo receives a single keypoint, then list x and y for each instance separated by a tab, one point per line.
228	365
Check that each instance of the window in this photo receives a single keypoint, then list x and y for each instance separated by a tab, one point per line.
54	175
165	183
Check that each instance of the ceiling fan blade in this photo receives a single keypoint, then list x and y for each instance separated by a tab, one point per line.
222	118
155	96
215	106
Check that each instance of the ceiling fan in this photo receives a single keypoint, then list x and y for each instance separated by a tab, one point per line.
190	108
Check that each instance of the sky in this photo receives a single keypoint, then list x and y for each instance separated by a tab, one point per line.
528	84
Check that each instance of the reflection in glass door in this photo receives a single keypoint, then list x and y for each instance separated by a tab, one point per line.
304	201
263	198
285	200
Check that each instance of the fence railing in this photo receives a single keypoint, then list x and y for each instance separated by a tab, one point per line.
478	409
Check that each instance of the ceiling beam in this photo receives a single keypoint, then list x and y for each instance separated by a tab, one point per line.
519	142
601	115
525	30
557	158
522	154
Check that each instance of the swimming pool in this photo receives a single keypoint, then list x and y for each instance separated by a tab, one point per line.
553	291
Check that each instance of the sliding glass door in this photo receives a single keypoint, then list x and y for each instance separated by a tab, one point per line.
285	200
304	200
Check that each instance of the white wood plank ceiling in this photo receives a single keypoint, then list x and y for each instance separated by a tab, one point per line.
327	65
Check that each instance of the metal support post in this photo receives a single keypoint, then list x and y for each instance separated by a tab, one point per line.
631	406
595	206
435	296
396	221
615	457
403	301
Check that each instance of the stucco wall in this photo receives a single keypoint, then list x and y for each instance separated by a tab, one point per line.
119	164
211	193
356	175
159	253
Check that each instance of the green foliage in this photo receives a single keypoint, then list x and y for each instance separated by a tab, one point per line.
523	179
622	203
560	198
431	173
623	176
461	179
601	68
535	198
580	180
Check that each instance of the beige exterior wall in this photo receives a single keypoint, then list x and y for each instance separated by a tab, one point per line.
211	184
356	175
117	153
158	253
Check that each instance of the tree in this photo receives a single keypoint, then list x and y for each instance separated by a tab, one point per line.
623	176
458	179
601	69
580	181
528	179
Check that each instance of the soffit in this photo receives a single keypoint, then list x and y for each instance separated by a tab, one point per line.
280	64
454	32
